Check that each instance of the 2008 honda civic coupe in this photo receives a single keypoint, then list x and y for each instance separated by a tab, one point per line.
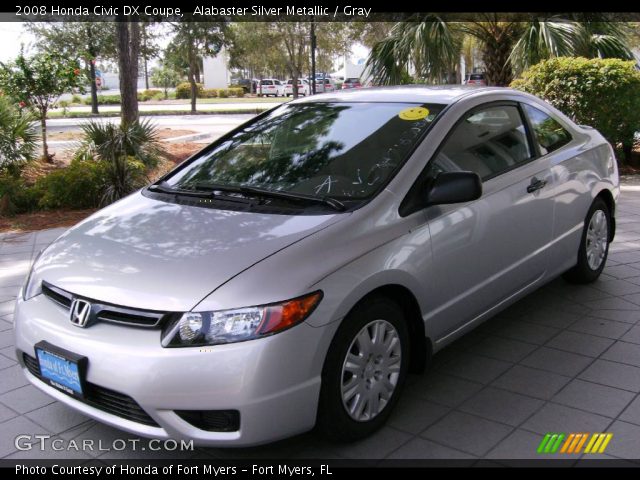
293	272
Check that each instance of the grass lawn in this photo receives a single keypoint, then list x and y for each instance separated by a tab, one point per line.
225	100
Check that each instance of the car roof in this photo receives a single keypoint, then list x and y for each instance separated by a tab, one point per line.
443	94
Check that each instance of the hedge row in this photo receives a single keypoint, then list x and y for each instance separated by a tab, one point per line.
601	93
183	90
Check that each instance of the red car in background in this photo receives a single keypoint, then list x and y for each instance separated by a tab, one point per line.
351	83
476	79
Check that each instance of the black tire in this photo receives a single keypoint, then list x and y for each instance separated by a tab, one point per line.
333	421
583	272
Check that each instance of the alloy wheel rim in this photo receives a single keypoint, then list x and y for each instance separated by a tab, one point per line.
597	239
371	370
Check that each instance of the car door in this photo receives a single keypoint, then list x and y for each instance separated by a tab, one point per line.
487	251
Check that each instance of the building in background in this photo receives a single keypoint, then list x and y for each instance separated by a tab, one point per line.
215	71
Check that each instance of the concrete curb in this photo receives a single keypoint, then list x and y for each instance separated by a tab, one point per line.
181	139
188	138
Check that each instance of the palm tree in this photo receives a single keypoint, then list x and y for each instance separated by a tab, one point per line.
432	46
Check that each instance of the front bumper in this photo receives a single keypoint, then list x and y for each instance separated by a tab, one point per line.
274	382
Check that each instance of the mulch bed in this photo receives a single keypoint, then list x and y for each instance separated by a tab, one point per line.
28	222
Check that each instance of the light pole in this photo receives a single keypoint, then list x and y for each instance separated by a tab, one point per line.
313	57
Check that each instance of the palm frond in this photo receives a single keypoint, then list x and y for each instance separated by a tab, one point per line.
610	46
543	39
425	43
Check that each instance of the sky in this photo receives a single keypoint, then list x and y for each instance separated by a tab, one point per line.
11	36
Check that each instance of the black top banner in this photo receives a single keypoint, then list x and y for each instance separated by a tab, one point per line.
319	11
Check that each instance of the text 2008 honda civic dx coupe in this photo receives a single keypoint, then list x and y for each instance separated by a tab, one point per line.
293	272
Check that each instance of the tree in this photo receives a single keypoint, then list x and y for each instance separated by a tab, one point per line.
295	38
88	41
37	82
431	46
285	46
128	42
194	40
148	47
165	78
258	62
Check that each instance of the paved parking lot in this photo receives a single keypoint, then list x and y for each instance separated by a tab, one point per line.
564	359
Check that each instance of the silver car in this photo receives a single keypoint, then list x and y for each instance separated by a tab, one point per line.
292	273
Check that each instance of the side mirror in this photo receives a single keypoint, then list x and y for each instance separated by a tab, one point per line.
454	187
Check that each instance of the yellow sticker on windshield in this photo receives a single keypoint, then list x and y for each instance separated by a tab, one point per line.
414	113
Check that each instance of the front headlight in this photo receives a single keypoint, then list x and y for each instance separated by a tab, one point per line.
194	329
30	289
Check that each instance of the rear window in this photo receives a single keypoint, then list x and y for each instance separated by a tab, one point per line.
267	82
476	77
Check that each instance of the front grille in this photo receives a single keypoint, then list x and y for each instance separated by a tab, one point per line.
59	296
102	398
212	420
106	312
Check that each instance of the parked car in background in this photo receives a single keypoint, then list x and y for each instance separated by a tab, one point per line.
245	83
271	86
476	79
351	83
324	85
303	87
295	271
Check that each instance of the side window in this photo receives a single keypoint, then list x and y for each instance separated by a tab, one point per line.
548	132
489	142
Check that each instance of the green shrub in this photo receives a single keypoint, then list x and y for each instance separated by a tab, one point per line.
602	93
105	141
209	93
150	94
122	176
16	196
223	93
105	100
125	152
236	92
183	90
79	185
75	98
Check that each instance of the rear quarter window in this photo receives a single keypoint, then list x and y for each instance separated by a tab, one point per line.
548	132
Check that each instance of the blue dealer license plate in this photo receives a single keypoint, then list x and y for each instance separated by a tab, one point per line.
61	372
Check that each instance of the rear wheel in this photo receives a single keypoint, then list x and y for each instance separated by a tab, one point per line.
594	245
364	371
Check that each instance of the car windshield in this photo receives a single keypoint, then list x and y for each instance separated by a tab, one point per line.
339	150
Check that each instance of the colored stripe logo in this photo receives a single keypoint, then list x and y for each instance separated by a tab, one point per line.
574	443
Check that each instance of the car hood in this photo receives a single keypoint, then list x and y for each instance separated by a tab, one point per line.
144	253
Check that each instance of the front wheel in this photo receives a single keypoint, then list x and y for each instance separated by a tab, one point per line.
594	245
364	371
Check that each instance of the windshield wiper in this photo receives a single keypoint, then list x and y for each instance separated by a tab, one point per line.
263	192
164	187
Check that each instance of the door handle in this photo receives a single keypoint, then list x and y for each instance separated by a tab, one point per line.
536	184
